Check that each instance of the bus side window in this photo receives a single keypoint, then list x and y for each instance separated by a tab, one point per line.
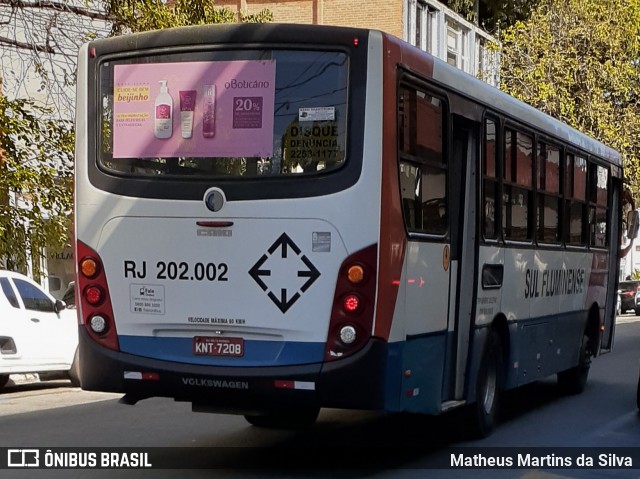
423	168
518	185
490	181
598	196
576	196
548	193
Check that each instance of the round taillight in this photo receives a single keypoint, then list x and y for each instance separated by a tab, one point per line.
355	274
347	334
98	324
93	295
89	267
351	303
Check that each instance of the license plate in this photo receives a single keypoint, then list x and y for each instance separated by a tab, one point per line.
212	346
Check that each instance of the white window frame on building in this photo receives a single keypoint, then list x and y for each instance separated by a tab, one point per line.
435	28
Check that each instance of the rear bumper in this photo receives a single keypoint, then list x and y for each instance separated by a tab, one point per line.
356	382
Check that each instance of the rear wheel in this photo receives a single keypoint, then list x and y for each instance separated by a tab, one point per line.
4	379
574	380
297	419
488	387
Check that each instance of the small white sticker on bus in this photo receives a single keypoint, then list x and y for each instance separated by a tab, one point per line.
321	113
147	298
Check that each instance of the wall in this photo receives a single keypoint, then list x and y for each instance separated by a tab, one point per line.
376	14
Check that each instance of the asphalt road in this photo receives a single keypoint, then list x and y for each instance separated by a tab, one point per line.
54	414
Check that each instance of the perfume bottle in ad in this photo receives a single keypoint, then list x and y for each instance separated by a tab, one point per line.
187	107
209	112
163	126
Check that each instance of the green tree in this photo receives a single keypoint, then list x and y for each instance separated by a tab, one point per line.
578	60
41	38
128	16
36	164
493	14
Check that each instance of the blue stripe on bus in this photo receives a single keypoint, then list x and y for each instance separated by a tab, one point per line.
256	353
421	391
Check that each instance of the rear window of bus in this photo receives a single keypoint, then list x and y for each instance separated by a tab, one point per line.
230	114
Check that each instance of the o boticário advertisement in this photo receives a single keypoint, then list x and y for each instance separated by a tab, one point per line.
194	109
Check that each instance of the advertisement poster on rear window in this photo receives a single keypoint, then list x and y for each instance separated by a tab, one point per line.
194	109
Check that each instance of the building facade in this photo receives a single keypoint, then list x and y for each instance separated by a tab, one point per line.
427	24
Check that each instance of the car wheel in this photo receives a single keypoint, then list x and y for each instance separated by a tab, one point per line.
298	419
488	387
637	311
74	372
574	380
4	379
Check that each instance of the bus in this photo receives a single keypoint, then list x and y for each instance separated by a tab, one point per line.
273	219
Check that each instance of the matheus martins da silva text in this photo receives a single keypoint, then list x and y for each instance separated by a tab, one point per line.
548	460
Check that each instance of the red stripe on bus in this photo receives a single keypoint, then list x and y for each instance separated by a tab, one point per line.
392	233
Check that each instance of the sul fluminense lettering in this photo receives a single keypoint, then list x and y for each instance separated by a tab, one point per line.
553	282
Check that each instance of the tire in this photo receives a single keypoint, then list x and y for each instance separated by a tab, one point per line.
285	419
637	311
489	384
574	380
638	395
74	372
4	379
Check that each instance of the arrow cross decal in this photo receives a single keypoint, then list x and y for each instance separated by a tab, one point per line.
284	249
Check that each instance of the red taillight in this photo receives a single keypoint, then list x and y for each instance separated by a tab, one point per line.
351	303
94	295
352	314
94	303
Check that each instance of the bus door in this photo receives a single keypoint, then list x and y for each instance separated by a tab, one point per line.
462	261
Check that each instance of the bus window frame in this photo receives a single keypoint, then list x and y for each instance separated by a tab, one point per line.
497	178
408	79
518	127
566	149
597	163
584	244
236	189
539	192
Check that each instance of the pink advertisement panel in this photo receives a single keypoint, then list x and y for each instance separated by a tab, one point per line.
194	109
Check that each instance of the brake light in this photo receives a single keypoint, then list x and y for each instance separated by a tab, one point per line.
351	304
94	304
94	295
351	321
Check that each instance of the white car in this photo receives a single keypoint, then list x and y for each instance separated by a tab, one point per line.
38	334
